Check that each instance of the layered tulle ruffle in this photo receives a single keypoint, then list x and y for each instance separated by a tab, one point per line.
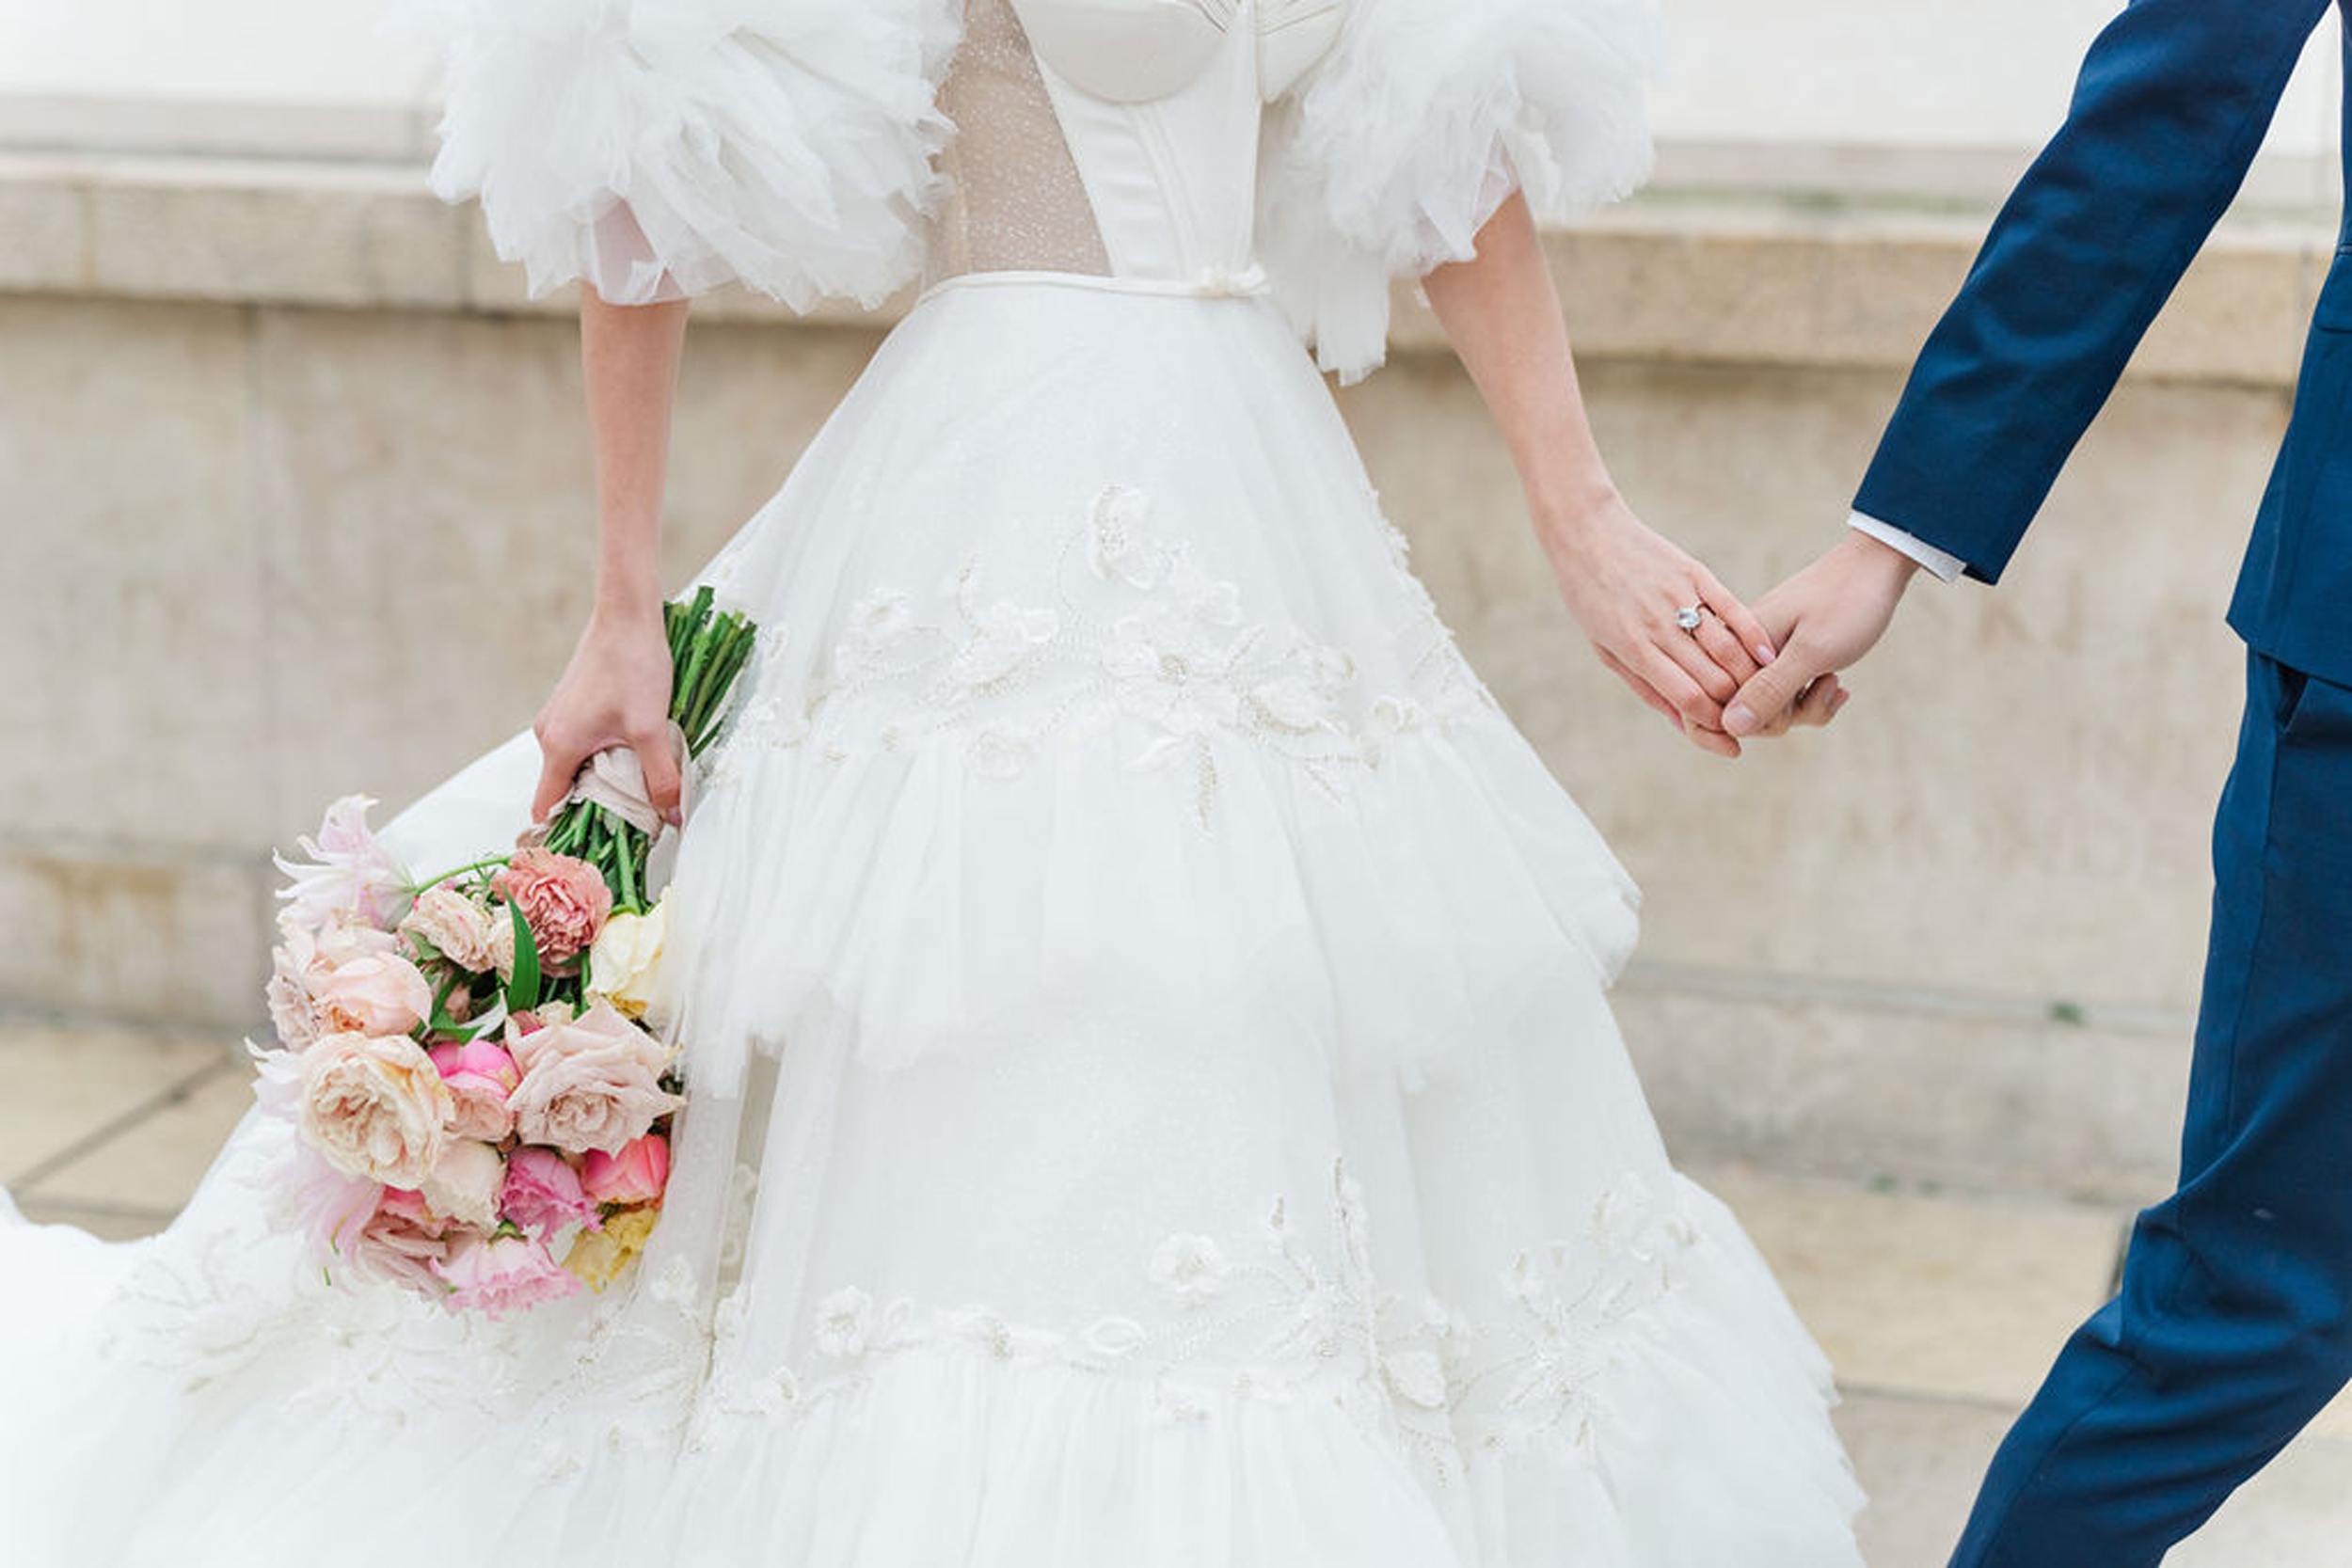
1399	146
660	148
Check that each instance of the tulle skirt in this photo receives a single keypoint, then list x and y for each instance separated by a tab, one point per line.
1153	1099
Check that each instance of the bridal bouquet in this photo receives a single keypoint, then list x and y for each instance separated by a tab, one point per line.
481	1100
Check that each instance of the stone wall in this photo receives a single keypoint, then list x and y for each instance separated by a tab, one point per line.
252	417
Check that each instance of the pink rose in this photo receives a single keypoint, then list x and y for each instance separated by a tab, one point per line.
501	1273
637	1173
454	925
564	900
403	1243
480	1075
592	1082
349	874
542	1194
375	1107
465	1183
376	994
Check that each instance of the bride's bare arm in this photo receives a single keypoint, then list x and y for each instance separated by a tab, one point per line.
616	690
1622	582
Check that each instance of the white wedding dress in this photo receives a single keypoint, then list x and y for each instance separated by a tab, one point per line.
1154	1102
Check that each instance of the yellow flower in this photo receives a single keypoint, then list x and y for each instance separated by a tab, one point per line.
625	956
598	1257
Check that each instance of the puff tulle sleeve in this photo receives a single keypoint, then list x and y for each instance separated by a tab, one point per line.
1387	159
662	148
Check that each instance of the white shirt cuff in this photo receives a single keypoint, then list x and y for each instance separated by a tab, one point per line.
1944	564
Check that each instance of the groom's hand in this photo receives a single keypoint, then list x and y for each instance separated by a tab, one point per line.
1823	619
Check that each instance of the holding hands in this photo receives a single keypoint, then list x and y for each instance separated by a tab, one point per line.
1682	641
1825	618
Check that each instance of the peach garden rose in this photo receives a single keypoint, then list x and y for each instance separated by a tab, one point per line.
376	994
375	1107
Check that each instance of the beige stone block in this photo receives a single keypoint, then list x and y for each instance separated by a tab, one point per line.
47	224
71	1086
1964	1298
333	235
1859	1092
429	522
137	635
155	1165
178	943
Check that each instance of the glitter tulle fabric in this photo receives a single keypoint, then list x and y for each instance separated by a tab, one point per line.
1155	1099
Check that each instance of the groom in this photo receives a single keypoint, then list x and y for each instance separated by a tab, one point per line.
2232	1324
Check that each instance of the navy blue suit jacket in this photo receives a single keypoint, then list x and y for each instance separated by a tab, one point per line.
2173	103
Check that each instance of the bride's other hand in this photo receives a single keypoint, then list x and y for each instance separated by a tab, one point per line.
1624	584
1628	588
614	693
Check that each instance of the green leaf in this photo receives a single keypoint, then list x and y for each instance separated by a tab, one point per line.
522	992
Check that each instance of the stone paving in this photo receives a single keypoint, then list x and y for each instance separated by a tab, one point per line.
1939	1309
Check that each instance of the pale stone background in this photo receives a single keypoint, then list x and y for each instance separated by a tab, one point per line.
1915	994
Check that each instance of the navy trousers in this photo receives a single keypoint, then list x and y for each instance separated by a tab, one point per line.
2233	1326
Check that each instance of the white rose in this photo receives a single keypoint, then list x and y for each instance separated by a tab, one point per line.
625	960
376	1107
466	1182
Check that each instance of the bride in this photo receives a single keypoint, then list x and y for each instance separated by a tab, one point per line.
1152	1097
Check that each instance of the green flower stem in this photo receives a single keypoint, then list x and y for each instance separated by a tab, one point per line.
451	876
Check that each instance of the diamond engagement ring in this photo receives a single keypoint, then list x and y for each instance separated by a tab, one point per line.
1691	617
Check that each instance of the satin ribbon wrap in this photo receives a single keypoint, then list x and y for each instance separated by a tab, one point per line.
615	780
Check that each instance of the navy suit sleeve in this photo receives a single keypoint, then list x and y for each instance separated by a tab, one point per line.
2173	103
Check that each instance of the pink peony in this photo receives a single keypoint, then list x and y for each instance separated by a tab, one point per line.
636	1175
454	925
543	1193
593	1083
349	874
501	1273
465	1183
374	1107
403	1243
374	993
564	900
480	1075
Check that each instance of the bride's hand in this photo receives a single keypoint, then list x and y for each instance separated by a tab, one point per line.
1626	585
614	693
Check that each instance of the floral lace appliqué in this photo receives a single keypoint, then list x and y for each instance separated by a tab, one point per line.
1133	627
1277	1315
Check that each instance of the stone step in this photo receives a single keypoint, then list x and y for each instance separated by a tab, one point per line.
1939	1308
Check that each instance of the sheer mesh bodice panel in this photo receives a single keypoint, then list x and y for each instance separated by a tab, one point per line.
1015	200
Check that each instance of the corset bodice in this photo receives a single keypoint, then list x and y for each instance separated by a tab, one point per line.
1117	137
